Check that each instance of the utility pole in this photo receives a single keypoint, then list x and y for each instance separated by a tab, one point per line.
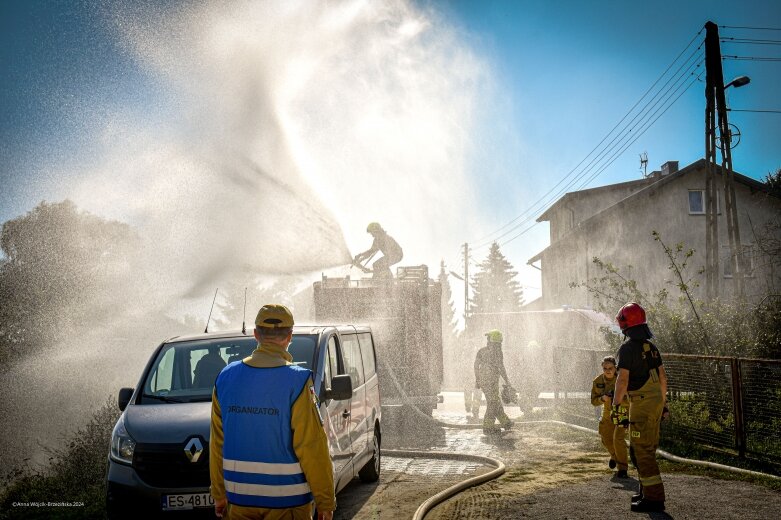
716	109
466	281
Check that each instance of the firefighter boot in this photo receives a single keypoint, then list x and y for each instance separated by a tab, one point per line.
648	506
621	473
639	496
611	464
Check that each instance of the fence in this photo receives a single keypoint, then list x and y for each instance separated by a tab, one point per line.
717	402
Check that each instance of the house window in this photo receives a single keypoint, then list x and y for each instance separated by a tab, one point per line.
697	202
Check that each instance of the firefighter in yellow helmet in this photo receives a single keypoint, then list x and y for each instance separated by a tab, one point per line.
268	451
642	377
385	244
489	367
613	435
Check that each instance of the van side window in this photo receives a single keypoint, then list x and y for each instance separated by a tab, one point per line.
351	353
367	352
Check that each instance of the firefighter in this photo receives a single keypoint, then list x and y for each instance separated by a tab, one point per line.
613	435
384	243
268	451
641	376
489	367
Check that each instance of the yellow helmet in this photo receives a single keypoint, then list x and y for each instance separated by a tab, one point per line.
373	227
494	336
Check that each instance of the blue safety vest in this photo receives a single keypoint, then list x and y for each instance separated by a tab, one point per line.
259	465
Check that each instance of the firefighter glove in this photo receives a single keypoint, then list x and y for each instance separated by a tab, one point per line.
619	415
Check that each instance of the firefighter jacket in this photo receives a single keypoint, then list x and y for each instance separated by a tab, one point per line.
603	386
268	447
489	366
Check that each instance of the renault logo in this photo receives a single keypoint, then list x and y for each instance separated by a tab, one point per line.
193	449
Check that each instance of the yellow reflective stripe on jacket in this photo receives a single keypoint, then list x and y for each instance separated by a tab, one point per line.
289	490
265	468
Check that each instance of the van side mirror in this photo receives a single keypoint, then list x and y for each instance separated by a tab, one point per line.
124	398
341	388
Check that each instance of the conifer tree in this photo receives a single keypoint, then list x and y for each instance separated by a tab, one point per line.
494	286
448	309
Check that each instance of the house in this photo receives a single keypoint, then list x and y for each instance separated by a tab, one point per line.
615	222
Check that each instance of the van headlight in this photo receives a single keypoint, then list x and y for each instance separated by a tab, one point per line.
122	444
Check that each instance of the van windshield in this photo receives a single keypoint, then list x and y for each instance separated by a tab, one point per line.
185	372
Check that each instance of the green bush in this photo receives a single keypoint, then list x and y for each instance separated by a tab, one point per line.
685	324
76	474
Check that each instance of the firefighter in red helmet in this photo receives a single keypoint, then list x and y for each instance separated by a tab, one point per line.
641	376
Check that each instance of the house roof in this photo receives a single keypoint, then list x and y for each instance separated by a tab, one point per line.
569	195
656	183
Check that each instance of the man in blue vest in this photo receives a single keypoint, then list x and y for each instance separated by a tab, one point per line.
268	451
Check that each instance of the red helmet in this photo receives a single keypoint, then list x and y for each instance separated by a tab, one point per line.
630	315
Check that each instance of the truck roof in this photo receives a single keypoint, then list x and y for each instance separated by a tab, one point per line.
297	329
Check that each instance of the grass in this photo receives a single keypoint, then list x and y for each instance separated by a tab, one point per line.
685	450
667	466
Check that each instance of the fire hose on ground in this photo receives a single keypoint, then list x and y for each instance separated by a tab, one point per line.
440	497
498	465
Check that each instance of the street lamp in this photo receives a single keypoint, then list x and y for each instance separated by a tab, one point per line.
738	82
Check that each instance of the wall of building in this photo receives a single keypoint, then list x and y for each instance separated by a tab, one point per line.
579	206
622	236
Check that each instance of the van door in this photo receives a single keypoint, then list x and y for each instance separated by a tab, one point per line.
354	367
372	384
337	412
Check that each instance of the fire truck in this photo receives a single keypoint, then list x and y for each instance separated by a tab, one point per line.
405	316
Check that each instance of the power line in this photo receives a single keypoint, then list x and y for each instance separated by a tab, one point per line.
484	238
762	111
750	41
750	58
607	149
616	142
618	154
755	28
643	121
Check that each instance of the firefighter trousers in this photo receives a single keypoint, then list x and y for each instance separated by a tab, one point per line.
494	409
614	439
645	415
472	400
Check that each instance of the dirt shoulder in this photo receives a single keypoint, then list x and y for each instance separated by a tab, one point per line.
552	472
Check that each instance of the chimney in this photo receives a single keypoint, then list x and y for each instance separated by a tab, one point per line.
669	167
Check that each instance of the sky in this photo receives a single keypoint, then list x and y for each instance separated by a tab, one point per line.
450	122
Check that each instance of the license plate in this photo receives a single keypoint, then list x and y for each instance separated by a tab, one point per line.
188	501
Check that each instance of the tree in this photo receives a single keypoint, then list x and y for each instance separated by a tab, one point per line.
495	288
448	310
773	181
63	268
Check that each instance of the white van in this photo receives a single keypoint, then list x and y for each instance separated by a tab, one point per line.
159	454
